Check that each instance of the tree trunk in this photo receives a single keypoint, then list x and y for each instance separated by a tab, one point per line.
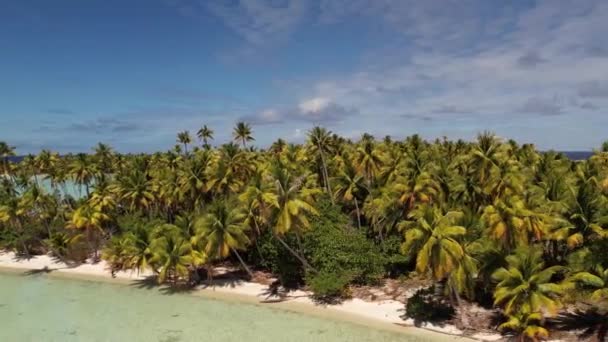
242	262
326	176
358	213
463	318
295	254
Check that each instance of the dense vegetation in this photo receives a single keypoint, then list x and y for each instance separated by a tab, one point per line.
486	221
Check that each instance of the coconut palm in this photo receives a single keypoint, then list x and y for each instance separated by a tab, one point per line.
526	326
89	219
258	200
242	133
205	134
135	189
222	230
104	156
83	170
349	185
184	139
511	224
526	285
368	160
432	237
174	257
294	204
320	144
6	151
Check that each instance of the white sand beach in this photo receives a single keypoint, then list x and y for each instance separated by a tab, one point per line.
383	314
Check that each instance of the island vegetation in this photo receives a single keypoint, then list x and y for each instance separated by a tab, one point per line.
489	221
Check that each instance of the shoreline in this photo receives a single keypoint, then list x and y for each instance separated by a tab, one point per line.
382	315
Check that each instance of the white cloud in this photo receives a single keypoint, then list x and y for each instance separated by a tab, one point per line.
314	105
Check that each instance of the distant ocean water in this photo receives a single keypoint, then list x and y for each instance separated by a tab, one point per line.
577	155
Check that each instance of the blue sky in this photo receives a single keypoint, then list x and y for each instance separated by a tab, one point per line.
133	73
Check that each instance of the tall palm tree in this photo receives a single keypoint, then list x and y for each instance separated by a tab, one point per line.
368	160
349	185
174	257
294	204
320	143
135	189
222	230
83	170
6	151
89	219
104	156
242	133
511	224
433	239
13	213
205	134
184	139
258	200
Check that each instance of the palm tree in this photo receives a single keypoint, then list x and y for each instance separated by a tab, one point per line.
368	160
526	325
90	219
525	285
433	239
350	184
174	257
242	133
13	213
135	189
320	142
104	157
83	171
585	213
223	230
258	200
6	151
184	138
205	134
511	224
294	203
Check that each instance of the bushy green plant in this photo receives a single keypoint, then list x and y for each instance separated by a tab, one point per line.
329	287
424	306
270	254
334	246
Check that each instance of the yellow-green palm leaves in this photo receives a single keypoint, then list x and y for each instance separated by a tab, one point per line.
294	201
433	238
222	230
526	325
525	284
88	217
511	224
173	255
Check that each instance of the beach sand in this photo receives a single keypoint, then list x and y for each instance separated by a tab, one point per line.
378	314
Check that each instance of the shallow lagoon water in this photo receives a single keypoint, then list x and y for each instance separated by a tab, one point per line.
43	308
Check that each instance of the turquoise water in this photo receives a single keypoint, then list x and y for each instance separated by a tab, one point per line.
43	308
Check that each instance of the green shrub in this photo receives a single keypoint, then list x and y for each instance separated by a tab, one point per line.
424	306
329	287
395	262
333	246
270	254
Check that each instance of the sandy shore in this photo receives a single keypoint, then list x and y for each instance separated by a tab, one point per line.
379	314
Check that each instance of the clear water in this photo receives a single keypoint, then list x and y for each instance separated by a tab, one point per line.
43	308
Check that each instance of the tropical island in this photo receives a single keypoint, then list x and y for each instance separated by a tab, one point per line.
488	224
